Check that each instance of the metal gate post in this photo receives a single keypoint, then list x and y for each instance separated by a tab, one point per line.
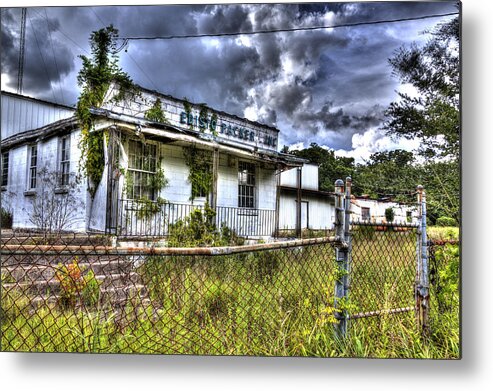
341	260
422	286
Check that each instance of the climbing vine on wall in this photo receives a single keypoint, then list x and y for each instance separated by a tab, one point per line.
156	113
95	77
188	110
199	163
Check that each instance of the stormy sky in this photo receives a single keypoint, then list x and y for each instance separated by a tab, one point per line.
328	86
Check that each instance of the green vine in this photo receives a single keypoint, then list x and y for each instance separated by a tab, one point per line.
199	163
204	113
156	113
148	208
188	110
95	77
155	182
213	121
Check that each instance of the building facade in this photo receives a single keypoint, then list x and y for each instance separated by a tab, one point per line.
145	184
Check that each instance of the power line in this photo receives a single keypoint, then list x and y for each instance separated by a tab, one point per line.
54	57
61	32
135	62
42	59
126	39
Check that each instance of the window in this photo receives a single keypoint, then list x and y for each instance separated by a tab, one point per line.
141	170
246	185
365	213
5	168
32	167
409	216
198	189
64	161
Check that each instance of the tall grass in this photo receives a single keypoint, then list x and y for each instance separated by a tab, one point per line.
272	303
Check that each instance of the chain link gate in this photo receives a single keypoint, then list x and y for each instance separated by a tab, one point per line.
383	270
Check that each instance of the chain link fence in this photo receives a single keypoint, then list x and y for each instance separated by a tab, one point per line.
82	295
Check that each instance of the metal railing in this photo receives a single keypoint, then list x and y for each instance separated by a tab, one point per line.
154	219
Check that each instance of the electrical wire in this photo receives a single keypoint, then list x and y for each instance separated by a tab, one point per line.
61	32
54	57
126	39
42	58
129	55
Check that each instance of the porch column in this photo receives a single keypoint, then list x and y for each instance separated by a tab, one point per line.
298	203
278	197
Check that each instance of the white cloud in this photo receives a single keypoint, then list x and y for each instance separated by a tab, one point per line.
375	140
297	147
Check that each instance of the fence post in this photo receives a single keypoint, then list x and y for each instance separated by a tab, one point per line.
347	236
341	259
422	286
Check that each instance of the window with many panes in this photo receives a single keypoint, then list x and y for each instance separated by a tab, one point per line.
5	168
142	164
246	185
32	166
64	162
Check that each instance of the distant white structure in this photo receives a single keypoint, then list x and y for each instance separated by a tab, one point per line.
317	207
373	211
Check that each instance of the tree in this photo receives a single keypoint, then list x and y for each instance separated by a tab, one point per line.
54	209
95	77
433	115
387	174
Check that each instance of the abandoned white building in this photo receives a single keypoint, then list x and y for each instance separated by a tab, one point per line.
144	162
146	183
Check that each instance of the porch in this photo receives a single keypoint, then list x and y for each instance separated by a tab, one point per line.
138	218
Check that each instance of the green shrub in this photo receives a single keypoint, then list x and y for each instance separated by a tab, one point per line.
6	218
445	221
389	215
199	230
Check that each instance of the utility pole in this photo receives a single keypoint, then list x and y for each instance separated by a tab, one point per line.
20	75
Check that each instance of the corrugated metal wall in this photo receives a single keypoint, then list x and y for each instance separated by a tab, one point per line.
20	114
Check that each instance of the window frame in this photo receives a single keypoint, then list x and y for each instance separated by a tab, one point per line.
32	169
137	171
247	187
365	213
4	182
64	161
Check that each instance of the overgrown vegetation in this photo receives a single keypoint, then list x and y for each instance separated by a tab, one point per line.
156	113
95	77
54	209
6	218
77	285
198	229
274	303
199	163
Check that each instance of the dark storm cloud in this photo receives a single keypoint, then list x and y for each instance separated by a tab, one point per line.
322	86
46	60
225	20
10	54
